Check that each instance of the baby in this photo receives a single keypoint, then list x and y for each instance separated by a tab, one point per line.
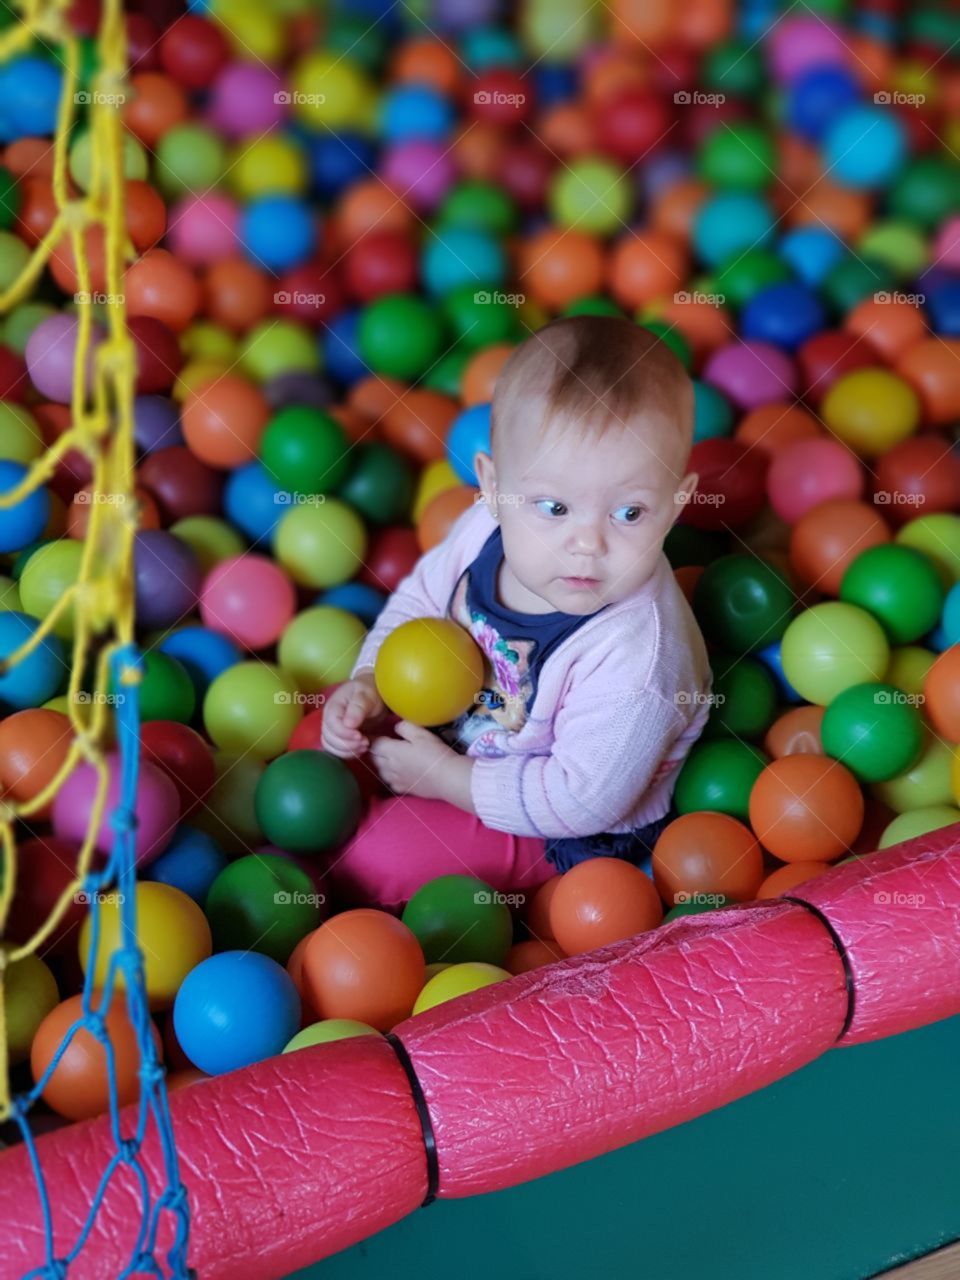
596	674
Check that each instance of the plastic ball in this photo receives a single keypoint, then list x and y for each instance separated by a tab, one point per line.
729	222
251	708
161	286
719	776
29	994
740	156
166	690
941	689
871	410
365	965
399	335
829	537
797	730
899	586
811	252
188	158
459	918
713	415
191	862
938	537
810	471
307	801
330	92
305	450
643	269
320	646
743	603
274	165
167	578
356	598
924	783
832	646
202	652
235	1009
24	521
591	194
602	900
468	435
249	599
429	670
277	231
203	228
327	1031
817	97
320	545
707	853
157	807
918	822
751	374
458	980
558	266
806	808
865	146
743	699
262	903
787	877
171	930
786	314
35	678
731	487
34	744
50	356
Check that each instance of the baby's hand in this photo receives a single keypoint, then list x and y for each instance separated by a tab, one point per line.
354	702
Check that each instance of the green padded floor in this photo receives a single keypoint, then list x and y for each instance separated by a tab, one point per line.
836	1173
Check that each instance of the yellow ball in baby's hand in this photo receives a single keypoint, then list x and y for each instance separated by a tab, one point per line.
429	670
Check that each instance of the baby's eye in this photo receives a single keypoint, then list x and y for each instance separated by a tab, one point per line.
552	504
632	514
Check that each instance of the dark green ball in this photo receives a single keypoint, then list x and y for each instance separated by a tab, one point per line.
400	335
673	338
900	586
719	775
9	198
742	603
855	278
594	304
381	484
685	545
746	274
745	698
307	801
262	903
926	191
166	691
480	317
734	67
305	450
458	918
698	903
479	206
446	375
874	729
740	156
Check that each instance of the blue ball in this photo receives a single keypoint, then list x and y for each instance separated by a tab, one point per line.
865	147
773	661
483	48
415	111
203	652
36	678
250	502
554	82
457	256
729	223
469	432
358	598
339	159
811	252
233	1009
786	314
943	308
950	617
341	349
937	640
24	522
277	232
191	862
712	412
31	93
816	98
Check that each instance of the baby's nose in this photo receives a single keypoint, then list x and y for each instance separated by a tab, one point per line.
588	538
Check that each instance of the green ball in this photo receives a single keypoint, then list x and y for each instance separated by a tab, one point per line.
855	278
51	569
744	698
742	603
29	993
307	801
698	902
252	708
21	322
320	646
938	537
594	195
210	538
400	335
741	157
478	206
899	586
9	198
830	647
447	374
684	545
276	347
926	191
458	919
355	37
320	545
734	66
262	903
227	814
189	157
900	246
380	485
305	450
875	729
673	338
166	691
746	274
917	822
480	317
14	256
719	775
594	304
326	1031
135	163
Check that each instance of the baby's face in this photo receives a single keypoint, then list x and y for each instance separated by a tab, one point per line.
583	521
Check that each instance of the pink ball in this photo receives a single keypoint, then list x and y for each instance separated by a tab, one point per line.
752	373
50	354
157	808
421	171
249	599
799	44
203	229
808	472
946	249
247	98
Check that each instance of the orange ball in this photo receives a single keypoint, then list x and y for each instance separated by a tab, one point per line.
223	419
647	22
33	746
373	396
645	267
533	954
941	688
78	513
602	900
610	70
567	130
161	286
829	537
38	209
427	61
236	294
891	327
786	878
707	852
33	157
932	367
806	808
366	965
78	1088
146	214
367	205
441	512
63	263
155	105
705	325
687	576
847	212
796	731
478	150
700	24
357	428
538	914
481	371
556	267
771	427
418	424
674	211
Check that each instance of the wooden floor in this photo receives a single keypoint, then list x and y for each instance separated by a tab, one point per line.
942	1265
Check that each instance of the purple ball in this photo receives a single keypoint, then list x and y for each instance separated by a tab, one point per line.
247	97
457	15
203	228
298	388
156	423
167	576
799	44
752	373
157	807
50	354
662	171
421	171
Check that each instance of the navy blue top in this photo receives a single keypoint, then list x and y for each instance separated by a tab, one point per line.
516	646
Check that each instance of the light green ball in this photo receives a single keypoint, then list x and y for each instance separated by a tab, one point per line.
925	785
900	245
917	822
212	539
320	646
21	439
29	993
592	195
275	347
81	159
14	256
327	1031
21	322
320	544
188	158
251	709
938	536
47	575
830	647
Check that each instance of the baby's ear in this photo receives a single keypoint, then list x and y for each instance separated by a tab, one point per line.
687	486
486	472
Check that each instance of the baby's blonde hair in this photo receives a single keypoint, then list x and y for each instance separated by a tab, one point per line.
590	374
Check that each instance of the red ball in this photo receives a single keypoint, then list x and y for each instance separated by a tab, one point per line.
525	172
500	96
916	478
312	294
74	470
392	554
631	123
142	37
159	358
675	68
46	865
699	119
186	759
84	16
381	262
14	380
828	356
180	484
193	51
732	488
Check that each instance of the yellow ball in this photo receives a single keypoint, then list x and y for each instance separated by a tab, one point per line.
330	92
937	536
436	477
254	30
320	544
211	539
320	646
195	372
29	993
871	410
171	929
955	774
908	667
327	1030
429	670
458	980
205	341
20	437
273	165
925	785
917	822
